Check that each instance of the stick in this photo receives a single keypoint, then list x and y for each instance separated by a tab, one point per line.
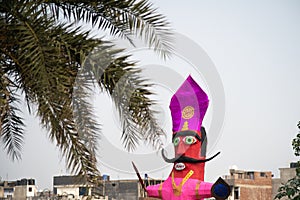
139	176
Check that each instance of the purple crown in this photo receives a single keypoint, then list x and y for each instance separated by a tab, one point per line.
188	106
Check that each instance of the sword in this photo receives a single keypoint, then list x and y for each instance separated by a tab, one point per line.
139	176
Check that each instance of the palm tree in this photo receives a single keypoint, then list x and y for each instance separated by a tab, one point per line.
52	64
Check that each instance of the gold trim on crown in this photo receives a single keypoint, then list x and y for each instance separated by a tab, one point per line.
185	126
188	112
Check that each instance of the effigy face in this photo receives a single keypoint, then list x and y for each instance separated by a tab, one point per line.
186	180
189	154
187	144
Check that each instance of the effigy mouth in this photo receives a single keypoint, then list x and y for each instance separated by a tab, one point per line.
185	159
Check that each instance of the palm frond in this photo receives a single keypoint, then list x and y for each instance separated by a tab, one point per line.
11	125
121	80
46	60
87	126
122	18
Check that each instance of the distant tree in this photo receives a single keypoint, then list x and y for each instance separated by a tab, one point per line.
291	189
44	58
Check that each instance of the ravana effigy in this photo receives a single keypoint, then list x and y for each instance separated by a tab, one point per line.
186	180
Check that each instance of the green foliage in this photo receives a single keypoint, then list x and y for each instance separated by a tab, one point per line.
296	142
291	189
53	67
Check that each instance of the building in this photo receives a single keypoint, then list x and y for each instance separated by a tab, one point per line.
127	189
285	175
71	187
249	185
76	187
20	189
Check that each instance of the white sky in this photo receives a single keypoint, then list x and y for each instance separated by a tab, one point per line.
255	48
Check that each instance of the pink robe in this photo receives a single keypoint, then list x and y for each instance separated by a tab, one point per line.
191	189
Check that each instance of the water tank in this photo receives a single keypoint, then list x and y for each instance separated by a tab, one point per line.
294	165
31	181
105	177
24	181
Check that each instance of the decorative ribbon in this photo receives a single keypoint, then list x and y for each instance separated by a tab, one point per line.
177	188
197	190
159	190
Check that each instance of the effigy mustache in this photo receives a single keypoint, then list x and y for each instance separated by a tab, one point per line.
182	158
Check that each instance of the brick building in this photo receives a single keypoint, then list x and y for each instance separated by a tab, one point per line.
249	185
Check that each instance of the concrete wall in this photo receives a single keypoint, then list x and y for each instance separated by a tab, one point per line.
68	190
276	183
24	191
20	192
1	192
285	175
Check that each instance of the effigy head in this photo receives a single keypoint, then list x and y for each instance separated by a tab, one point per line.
188	107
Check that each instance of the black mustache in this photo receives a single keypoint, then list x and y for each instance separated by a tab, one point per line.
182	158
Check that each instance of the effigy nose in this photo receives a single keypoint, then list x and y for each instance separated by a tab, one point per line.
181	149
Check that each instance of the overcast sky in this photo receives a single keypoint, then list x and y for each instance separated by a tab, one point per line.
254	47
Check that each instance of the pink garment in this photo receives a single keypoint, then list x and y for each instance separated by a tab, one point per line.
188	191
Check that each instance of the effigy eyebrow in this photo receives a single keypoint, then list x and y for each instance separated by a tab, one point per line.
187	133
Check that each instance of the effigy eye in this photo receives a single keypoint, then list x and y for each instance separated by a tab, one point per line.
176	141
189	140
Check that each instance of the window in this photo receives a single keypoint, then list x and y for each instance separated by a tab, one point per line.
250	175
262	174
240	176
82	191
30	189
8	190
236	193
